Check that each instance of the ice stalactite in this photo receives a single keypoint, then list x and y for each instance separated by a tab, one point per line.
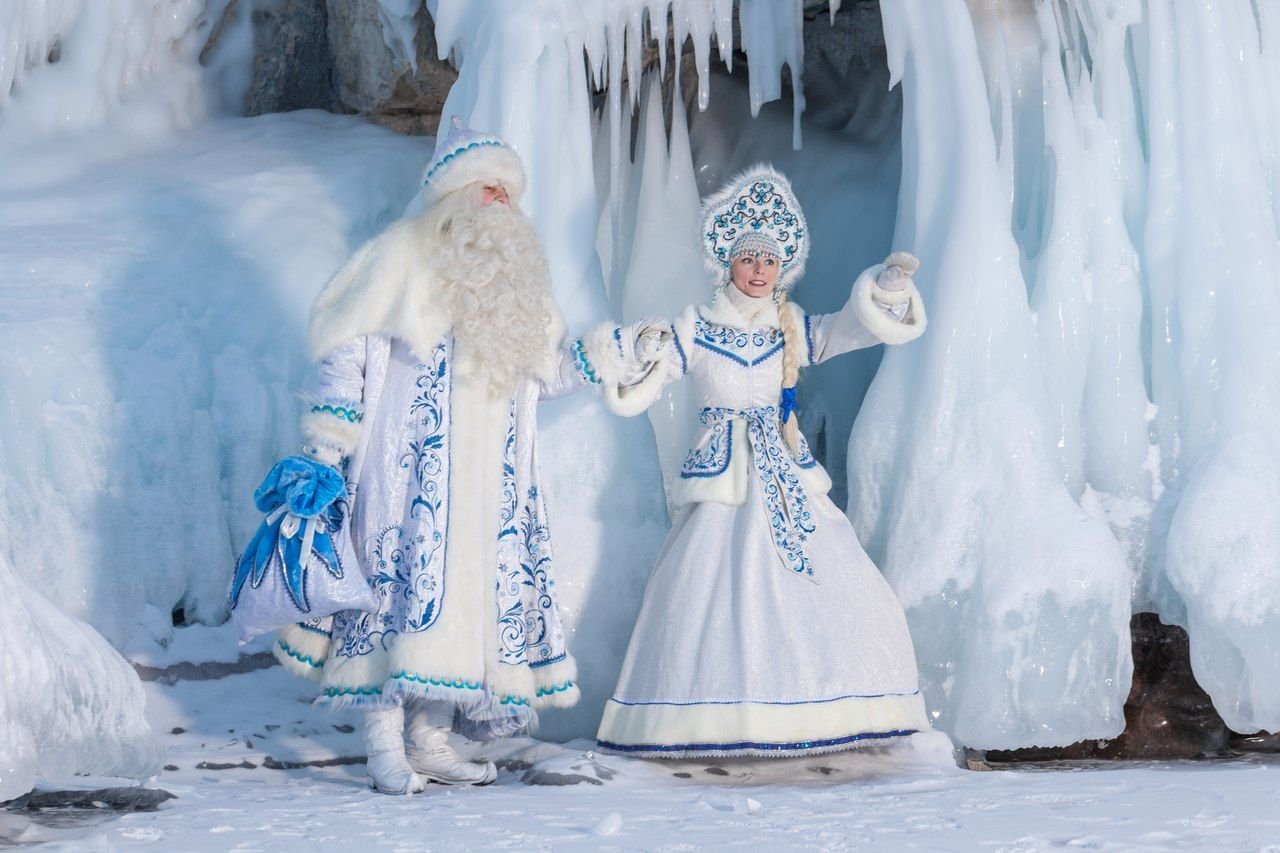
67	64
1018	600
1211	255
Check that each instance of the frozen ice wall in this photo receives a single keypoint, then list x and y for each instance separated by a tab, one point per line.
154	285
73	63
1017	599
1091	189
69	704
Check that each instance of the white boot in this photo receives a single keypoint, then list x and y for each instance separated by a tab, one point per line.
431	756
388	768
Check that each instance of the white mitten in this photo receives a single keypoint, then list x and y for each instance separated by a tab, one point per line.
642	344
898	269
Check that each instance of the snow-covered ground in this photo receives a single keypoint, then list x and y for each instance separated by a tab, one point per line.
231	742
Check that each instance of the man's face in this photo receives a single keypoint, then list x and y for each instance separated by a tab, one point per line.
491	193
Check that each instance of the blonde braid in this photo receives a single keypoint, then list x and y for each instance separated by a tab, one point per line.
792	340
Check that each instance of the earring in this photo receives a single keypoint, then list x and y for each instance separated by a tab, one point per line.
777	296
719	290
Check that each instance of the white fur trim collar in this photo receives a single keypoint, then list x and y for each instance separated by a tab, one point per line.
390	287
723	312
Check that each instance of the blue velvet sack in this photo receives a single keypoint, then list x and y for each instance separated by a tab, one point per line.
291	571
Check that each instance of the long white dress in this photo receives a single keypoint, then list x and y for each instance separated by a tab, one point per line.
765	629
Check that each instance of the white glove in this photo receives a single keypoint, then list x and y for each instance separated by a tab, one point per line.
898	269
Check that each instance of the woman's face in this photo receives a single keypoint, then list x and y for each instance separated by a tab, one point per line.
755	275
490	193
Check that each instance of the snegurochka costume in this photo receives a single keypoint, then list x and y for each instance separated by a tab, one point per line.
765	629
445	512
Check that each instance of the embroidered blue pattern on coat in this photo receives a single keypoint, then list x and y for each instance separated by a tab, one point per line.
406	561
712	458
785	501
737	345
524	586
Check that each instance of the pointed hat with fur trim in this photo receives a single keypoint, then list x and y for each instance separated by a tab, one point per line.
466	156
756	203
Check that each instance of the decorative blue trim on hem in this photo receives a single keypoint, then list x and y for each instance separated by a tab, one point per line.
328	635
548	661
554	689
457	683
299	656
617	701
748	744
335	692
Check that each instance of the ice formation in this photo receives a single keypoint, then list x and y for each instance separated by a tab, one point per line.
1086	430
69	704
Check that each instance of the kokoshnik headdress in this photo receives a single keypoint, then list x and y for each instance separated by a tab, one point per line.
466	156
756	212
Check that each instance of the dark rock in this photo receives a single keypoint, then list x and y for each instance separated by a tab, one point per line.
717	771
342	761
206	671
171	767
293	62
345	728
214	765
373	79
1167	714
114	799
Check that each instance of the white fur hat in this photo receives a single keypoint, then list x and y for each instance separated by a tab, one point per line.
758	201
466	156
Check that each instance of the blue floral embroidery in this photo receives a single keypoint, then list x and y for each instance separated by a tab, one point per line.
712	459
808	337
761	207
529	628
785	501
406	561
803	457
737	345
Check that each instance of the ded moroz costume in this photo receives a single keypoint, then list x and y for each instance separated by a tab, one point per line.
435	343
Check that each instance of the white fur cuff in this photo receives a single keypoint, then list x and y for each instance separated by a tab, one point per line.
868	300
605	355
329	438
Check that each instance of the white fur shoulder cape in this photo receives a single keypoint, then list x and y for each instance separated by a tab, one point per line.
390	287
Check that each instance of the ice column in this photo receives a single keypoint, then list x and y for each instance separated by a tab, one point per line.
1017	599
1212	254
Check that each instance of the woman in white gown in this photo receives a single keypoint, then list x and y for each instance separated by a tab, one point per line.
765	629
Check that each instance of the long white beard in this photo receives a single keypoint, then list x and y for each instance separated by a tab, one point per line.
498	291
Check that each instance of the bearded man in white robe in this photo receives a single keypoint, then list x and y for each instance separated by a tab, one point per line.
436	342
